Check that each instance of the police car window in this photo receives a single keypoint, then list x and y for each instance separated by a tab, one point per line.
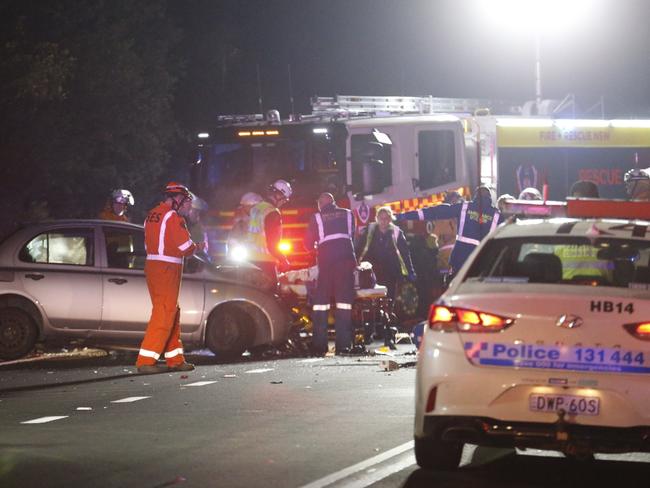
569	260
124	248
64	246
436	158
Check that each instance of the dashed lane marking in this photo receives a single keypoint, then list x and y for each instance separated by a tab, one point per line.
130	399
261	370
43	420
200	383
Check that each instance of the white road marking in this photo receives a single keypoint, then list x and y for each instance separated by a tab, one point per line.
200	383
311	360
130	399
370	477
43	420
261	370
84	408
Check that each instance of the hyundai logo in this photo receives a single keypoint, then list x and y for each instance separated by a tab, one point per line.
569	321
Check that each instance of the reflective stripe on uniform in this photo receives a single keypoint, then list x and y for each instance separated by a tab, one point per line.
495	221
149	354
468	240
321	231
185	245
317	308
420	214
161	257
174	352
163	228
444	248
463	212
344	306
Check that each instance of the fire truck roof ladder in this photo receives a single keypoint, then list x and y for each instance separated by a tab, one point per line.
347	105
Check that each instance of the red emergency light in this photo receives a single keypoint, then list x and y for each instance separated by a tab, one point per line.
613	209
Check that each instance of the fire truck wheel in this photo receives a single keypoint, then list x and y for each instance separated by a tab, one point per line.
229	332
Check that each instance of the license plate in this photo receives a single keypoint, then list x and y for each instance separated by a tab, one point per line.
571	404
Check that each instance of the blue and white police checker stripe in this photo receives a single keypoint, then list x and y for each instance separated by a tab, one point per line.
613	360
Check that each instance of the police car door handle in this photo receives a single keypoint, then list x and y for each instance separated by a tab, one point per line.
34	276
118	281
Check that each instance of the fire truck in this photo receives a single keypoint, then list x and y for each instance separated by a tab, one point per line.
406	152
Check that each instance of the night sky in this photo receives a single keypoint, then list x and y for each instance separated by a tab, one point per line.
444	48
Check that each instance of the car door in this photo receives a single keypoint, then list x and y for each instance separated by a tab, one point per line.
127	305
58	269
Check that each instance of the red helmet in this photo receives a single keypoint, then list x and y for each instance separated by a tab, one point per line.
174	188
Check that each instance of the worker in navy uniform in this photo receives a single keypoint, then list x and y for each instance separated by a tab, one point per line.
331	231
475	220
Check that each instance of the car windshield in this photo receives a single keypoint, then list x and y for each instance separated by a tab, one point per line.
564	260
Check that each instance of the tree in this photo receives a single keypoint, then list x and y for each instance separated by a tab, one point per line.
86	91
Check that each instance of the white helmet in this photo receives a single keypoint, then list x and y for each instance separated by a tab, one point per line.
122	196
634	176
249	199
530	193
283	187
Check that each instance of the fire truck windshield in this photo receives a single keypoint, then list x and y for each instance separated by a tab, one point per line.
233	165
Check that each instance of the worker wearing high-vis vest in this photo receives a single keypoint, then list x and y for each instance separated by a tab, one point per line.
476	219
331	231
167	241
265	230
384	246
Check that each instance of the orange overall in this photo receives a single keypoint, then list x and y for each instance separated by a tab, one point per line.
167	240
108	214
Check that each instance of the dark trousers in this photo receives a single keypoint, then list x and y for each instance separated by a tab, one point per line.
335	282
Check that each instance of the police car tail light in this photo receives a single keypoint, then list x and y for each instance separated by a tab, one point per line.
640	331
450	319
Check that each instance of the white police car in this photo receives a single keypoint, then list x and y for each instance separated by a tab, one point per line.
542	339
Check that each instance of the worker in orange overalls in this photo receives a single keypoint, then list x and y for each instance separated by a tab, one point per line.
117	206
167	241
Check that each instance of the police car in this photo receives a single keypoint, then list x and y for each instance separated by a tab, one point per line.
543	338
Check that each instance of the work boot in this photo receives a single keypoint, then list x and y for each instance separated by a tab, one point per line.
181	367
152	369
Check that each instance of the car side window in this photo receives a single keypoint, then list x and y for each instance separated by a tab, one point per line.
124	248
61	246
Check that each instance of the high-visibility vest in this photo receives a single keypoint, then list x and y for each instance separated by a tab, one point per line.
256	232
581	260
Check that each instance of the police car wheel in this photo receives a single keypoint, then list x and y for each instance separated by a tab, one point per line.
434	454
18	333
229	332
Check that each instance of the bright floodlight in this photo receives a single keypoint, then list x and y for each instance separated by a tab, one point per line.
239	253
540	16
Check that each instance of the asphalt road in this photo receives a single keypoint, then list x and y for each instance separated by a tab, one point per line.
271	423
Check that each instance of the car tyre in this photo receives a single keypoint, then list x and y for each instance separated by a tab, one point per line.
230	332
18	333
434	454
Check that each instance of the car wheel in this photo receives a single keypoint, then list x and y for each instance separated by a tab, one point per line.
18	333
229	333
434	454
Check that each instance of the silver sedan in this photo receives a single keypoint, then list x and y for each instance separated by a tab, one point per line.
84	280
